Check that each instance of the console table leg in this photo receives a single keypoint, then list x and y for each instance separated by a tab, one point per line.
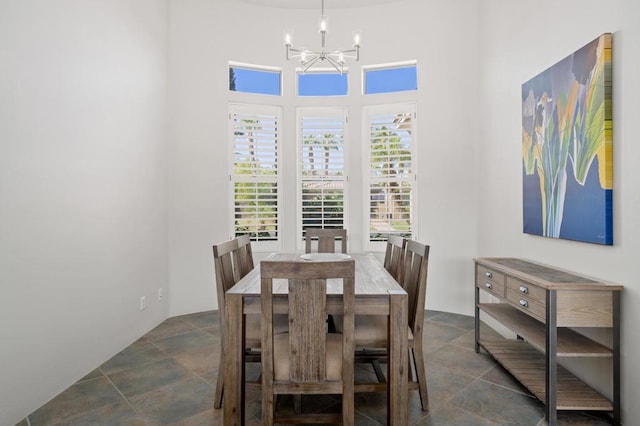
617	410
551	370
477	319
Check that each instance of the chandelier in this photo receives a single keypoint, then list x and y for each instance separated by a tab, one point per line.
335	57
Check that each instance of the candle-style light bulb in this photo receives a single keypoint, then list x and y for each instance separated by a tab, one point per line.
323	23
288	36
356	39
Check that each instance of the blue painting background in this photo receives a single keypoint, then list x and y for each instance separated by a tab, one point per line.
584	208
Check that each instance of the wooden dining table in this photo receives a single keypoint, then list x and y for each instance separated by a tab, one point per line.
376	293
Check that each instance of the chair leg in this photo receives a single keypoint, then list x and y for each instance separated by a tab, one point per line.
418	359
268	407
348	411
297	403
217	400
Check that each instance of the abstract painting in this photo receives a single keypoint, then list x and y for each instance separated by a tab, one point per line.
567	147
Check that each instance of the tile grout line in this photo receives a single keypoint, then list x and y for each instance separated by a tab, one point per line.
506	387
464	409
78	415
480	379
122	395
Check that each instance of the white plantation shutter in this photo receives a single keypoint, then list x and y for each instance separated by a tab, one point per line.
322	177
254	133
390	142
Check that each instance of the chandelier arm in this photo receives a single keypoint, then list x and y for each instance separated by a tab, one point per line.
337	52
337	56
299	52
337	65
308	64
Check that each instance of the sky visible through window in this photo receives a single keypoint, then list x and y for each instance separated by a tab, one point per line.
386	80
254	81
266	82
322	84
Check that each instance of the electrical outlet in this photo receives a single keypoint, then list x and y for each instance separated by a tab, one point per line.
160	293
143	303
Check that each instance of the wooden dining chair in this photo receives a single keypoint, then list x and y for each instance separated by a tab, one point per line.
371	331
326	239
232	261
307	359
394	254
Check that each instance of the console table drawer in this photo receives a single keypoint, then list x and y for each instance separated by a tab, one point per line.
527	304
490	281
528	290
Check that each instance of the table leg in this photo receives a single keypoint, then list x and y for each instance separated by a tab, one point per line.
397	395
234	359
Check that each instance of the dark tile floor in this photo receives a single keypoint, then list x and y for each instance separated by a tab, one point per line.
168	377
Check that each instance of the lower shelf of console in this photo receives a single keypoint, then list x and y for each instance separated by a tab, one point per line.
527	365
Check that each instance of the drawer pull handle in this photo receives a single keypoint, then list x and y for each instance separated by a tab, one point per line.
489	286
488	275
524	289
524	303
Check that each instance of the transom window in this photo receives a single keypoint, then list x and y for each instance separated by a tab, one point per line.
322	84
392	78
254	79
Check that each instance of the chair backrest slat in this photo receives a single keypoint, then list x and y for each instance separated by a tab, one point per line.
307	318
394	255
326	239
414	282
243	257
232	260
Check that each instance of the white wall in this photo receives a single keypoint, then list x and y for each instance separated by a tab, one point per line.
518	41
205	35
82	188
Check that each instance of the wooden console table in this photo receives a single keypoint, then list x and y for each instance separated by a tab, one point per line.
540	304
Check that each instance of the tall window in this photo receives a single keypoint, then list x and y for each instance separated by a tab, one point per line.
390	148
321	159
254	132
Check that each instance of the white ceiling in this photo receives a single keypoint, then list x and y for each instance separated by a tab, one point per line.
315	4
